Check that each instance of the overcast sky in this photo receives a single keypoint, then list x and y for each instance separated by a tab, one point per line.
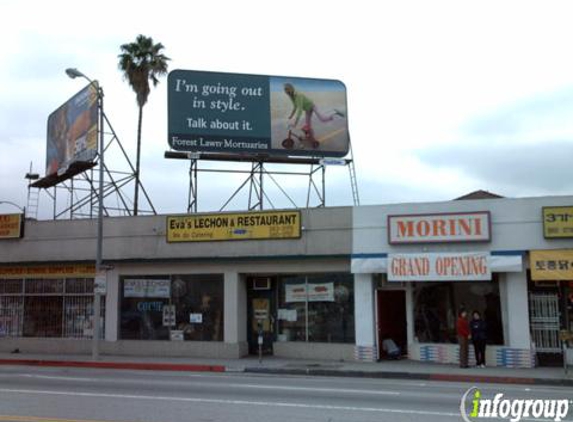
444	97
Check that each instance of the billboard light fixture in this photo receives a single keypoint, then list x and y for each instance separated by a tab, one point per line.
32	176
73	73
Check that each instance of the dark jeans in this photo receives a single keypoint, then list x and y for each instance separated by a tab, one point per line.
463	341
479	348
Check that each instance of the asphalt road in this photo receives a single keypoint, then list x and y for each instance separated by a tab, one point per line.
57	394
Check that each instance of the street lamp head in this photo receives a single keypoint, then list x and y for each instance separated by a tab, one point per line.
74	73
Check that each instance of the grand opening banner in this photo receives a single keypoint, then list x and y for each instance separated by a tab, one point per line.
72	132
258	115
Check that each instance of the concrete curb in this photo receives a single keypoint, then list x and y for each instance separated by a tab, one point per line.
310	371
116	365
559	382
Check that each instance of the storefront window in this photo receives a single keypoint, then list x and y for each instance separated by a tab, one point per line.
183	307
316	308
436	306
291	312
47	308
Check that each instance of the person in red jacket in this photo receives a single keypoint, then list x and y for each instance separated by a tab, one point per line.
463	331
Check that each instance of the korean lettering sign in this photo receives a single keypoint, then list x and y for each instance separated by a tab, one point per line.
551	265
557	222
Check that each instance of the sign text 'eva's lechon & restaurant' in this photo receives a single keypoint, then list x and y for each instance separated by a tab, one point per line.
234	226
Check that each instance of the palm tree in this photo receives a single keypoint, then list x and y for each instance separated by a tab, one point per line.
140	62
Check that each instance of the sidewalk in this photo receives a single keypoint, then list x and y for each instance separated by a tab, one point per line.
403	369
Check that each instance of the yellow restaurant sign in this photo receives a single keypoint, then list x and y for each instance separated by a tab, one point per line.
551	265
558	222
234	226
10	226
48	271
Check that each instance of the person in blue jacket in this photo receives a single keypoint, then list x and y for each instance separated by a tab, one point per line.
478	329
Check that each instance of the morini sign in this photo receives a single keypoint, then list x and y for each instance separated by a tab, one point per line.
438	228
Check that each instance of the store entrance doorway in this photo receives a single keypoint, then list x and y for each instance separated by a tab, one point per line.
392	319
261	308
545	325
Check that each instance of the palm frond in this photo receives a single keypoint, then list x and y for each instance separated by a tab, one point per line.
140	62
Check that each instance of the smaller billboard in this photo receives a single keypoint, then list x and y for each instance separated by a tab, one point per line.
557	222
11	226
256	114
234	226
72	132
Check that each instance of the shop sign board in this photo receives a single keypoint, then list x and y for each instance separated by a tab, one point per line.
196	318
551	264
176	335
11	226
169	319
147	288
47	271
322	292
557	222
251	115
438	228
234	226
447	266
100	283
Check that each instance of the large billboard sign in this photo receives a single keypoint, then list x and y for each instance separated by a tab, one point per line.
256	115
72	132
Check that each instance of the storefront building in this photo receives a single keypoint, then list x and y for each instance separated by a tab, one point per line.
203	286
416	265
327	283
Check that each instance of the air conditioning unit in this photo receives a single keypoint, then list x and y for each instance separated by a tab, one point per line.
261	283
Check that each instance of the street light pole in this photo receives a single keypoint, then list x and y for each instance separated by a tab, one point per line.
23	209
74	73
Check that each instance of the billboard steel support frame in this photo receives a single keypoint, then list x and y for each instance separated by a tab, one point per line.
83	190
257	195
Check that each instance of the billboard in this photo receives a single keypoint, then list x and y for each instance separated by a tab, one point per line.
256	114
234	226
72	132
